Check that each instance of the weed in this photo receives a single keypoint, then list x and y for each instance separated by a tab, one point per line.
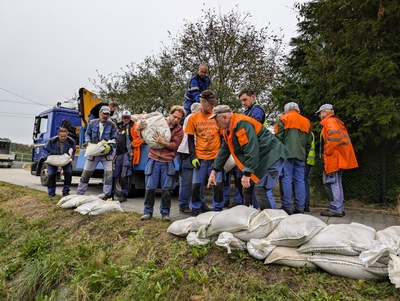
200	251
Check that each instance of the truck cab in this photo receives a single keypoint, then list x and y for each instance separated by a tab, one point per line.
6	157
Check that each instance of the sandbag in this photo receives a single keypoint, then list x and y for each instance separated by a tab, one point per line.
295	230
181	227
380	251
394	270
156	124
95	149
202	220
262	224
88	207
231	220
106	207
290	257
345	239
388	233
58	160
65	198
259	248
77	201
228	241
229	164
193	240
348	266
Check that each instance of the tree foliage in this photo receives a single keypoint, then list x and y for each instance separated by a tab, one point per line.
348	54
237	53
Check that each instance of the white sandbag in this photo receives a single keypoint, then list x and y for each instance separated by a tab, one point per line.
228	241
106	207
346	239
88	207
181	227
202	220
388	233
259	248
348	266
380	251
58	160
295	230
193	240
77	201
394	270
231	220
229	164
290	257
65	198
95	149
156	124
262	224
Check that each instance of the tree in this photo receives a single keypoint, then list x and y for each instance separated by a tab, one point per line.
348	54
237	53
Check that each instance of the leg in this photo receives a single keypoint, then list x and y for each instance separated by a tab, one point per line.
167	171
86	174
107	178
51	174
199	176
299	186
67	179
152	172
286	181
307	169
185	183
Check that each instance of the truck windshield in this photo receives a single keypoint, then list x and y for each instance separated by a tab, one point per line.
4	146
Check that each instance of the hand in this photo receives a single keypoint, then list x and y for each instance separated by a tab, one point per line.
195	163
106	150
86	144
212	180
160	139
245	181
142	124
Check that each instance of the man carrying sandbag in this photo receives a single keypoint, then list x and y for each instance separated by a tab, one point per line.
101	129
160	166
59	145
256	151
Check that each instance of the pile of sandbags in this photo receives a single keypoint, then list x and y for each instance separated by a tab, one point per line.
89	204
349	250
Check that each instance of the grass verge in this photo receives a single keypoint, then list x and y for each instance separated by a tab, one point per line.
48	253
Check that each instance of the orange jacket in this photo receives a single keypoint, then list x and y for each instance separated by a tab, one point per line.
336	148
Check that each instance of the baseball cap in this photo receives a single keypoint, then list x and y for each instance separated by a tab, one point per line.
219	110
291	106
105	109
326	106
126	113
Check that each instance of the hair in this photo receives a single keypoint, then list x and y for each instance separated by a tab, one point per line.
195	107
179	109
247	90
62	130
209	96
113	104
203	64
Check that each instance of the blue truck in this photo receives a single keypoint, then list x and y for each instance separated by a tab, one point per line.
46	126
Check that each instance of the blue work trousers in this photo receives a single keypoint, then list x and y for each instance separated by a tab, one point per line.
293	174
334	190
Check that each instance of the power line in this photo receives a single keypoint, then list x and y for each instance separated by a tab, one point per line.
23	102
15	116
23	97
18	114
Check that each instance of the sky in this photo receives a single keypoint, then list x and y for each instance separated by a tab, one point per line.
51	48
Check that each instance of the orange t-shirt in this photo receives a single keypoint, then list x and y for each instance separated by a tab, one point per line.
207	135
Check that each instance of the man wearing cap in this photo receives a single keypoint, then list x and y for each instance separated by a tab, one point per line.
160	168
293	130
98	130
198	83
337	154
256	151
95	111
203	152
122	162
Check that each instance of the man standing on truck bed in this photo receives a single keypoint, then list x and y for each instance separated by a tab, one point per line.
100	129
95	111
59	145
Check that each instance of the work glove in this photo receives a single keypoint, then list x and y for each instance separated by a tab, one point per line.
106	150
86	144
195	163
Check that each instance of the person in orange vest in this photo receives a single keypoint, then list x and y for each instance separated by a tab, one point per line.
337	154
293	130
256	151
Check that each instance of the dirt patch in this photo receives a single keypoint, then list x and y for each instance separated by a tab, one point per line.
27	207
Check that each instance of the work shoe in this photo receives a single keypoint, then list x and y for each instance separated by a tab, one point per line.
297	211
165	217
104	197
146	217
196	212
185	210
65	193
52	195
306	209
331	213
121	199
205	208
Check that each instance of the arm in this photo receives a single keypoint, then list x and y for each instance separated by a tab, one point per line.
248	141
279	130
333	137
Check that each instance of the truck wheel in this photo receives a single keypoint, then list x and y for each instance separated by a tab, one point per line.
44	178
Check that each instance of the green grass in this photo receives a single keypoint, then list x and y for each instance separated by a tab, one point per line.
49	253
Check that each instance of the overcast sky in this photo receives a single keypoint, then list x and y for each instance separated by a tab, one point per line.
51	48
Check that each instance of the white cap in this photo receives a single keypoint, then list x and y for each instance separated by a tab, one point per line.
291	106
105	109
326	106
126	113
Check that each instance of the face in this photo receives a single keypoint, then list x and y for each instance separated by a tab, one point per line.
104	116
222	121
246	100
206	107
126	119
62	136
113	108
203	70
322	114
175	118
